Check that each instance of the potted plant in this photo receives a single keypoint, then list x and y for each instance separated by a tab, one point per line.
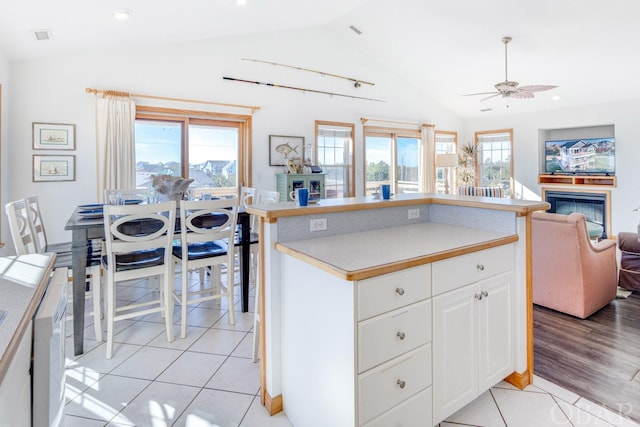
467	155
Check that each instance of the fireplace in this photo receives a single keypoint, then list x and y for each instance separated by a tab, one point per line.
593	205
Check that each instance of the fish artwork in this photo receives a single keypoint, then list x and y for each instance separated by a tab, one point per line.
285	149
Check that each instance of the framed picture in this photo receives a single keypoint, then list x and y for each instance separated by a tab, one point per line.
54	136
54	168
285	148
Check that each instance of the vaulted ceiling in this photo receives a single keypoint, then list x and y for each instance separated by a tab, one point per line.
446	48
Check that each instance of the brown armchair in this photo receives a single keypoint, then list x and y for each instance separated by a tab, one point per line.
571	274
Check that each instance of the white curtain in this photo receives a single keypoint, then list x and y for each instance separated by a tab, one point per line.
428	138
115	127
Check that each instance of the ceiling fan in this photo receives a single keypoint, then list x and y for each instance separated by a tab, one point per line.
510	89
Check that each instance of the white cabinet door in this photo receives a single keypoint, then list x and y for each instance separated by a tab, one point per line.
495	324
455	347
473	342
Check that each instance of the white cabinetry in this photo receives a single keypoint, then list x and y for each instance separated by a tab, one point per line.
473	343
394	347
15	388
356	353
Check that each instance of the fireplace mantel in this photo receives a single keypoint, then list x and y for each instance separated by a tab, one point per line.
592	180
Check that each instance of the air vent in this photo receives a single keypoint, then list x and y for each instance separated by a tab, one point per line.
355	30
42	34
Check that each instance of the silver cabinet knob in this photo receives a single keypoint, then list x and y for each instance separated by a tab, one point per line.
400	291
401	383
484	293
401	335
478	296
480	267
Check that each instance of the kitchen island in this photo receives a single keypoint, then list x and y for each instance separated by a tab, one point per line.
383	291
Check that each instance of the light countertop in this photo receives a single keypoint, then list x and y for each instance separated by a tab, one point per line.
357	256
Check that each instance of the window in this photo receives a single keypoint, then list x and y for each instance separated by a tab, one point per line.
210	151
446	142
495	160
334	151
392	157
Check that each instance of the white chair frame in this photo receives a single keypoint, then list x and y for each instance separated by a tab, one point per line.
223	235
119	243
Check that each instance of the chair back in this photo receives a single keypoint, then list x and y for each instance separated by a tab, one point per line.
208	220
35	216
21	229
247	196
135	229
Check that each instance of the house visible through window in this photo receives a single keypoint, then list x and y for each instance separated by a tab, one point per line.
209	151
495	160
334	151
392	157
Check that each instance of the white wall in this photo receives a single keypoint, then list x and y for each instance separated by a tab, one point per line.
527	156
5	237
53	90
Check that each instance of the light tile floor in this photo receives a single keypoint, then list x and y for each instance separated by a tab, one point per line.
208	379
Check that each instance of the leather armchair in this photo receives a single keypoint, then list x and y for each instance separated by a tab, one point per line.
571	274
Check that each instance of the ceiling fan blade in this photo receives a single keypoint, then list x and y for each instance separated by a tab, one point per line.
492	96
537	88
480	93
521	94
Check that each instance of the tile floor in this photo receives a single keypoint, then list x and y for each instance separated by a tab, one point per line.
208	379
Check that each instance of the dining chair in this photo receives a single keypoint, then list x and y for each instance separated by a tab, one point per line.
27	232
64	259
138	241
262	197
42	245
205	246
22	234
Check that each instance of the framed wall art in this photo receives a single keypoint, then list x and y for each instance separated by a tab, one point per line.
285	148
54	168
54	136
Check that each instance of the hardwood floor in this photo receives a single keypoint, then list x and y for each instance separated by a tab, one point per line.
597	358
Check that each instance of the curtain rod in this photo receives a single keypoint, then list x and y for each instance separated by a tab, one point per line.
253	108
364	120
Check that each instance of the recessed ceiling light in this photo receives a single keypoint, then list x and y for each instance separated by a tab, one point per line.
555	97
121	14
241	2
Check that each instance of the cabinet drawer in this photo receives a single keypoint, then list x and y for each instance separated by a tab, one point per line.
393	382
386	336
390	291
462	270
414	412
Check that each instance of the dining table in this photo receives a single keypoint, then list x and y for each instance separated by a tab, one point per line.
84	229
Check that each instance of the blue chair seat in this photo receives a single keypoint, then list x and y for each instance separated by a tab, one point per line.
138	259
202	250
